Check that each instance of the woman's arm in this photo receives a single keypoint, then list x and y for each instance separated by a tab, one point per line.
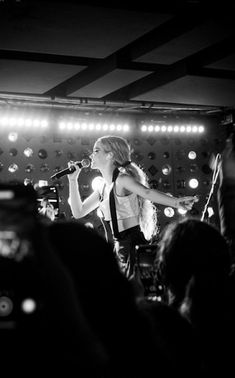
78	207
154	195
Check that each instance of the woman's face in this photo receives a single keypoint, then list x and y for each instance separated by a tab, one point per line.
98	156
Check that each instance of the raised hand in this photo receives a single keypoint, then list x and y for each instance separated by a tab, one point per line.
74	175
186	203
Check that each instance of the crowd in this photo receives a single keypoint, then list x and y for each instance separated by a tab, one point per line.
91	319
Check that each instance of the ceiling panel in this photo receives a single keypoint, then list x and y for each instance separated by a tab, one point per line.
168	54
194	91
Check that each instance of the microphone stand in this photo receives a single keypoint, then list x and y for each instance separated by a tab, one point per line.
214	179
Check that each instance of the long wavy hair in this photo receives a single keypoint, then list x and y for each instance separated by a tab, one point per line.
122	154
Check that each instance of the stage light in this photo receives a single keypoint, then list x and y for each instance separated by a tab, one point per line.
193	167
192	155
166	169
201	129
28	305
6	306
13	152
169	212
166	155
193	183
42	154
29	168
13	168
13	136
151	155
97	183
28	152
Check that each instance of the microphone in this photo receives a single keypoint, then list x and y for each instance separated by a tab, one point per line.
85	163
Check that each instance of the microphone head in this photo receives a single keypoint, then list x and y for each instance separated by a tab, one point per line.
85	163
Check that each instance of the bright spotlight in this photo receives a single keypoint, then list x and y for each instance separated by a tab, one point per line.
12	137
192	155
28	305
193	183
169	212
97	183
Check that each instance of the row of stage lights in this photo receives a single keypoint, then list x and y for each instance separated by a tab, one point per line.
173	128
73	126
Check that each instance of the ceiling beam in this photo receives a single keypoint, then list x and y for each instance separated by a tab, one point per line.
183	67
160	35
47	58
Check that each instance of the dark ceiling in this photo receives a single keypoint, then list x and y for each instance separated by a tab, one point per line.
175	56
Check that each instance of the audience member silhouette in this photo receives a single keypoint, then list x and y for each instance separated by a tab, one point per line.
42	327
176	336
194	265
226	194
108	301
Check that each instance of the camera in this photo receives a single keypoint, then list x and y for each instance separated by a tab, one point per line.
48	201
145	262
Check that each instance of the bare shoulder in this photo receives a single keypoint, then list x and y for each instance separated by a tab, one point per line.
125	178
99	185
129	183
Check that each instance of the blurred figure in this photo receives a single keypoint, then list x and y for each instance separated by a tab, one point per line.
42	326
194	265
176	336
108	301
226	194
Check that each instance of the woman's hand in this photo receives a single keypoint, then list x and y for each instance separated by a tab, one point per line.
75	174
186	203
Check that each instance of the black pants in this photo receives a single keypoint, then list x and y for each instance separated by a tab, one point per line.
124	249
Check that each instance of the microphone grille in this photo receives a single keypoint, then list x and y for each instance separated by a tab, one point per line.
85	163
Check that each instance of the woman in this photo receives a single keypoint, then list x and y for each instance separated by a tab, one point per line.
134	200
